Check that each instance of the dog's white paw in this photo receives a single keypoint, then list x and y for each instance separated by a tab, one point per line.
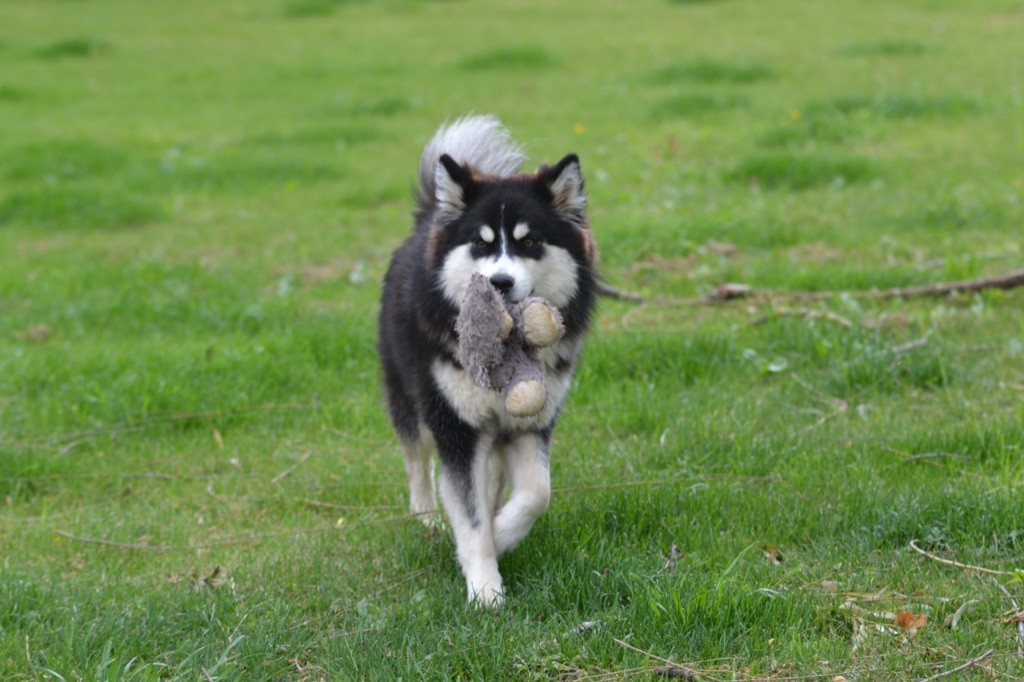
487	595
484	586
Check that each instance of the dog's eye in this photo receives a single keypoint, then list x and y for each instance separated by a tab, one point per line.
480	244
529	243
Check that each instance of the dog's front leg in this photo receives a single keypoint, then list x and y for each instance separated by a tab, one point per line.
419	467
526	463
466	484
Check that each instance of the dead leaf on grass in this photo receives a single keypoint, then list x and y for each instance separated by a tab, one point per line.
729	291
197	582
1013	617
720	248
911	622
772	554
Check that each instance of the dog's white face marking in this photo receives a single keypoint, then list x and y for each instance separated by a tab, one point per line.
520	231
504	264
459	266
486	233
552	277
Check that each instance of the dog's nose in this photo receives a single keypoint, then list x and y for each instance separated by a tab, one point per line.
502	282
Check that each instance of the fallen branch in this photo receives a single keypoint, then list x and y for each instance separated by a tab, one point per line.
730	292
140	547
1008	281
838	406
608	291
960	668
957	564
288	472
317	504
667	481
954	621
1020	623
911	345
807	313
673	669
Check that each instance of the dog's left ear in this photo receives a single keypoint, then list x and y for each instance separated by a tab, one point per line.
564	181
453	187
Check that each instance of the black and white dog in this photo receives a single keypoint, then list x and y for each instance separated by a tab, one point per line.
528	233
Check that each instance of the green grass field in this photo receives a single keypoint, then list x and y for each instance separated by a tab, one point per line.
198	201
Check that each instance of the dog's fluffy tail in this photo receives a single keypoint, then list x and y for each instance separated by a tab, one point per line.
482	142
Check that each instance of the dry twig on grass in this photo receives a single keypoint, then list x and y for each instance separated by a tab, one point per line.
957	564
736	291
1020	623
140	547
290	470
806	313
673	669
1008	281
960	668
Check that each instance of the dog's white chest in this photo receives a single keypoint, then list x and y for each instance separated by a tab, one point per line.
479	407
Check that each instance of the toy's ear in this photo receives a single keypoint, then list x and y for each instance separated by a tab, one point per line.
564	181
453	187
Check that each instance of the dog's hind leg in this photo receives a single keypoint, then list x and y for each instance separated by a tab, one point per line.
466	491
526	461
419	466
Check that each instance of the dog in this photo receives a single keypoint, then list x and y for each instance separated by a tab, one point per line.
528	233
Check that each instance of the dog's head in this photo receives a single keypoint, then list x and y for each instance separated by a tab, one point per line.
527	233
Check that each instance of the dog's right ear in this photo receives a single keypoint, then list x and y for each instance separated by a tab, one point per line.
453	187
564	183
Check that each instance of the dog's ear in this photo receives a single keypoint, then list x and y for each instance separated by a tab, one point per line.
564	181
453	187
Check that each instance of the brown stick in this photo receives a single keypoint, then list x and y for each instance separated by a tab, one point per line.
807	313
1020	623
608	291
959	668
667	481
290	470
727	293
950	562
1008	281
133	547
679	670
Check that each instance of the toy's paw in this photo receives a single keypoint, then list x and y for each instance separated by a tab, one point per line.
526	398
542	325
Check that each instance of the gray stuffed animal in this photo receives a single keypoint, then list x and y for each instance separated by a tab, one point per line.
498	344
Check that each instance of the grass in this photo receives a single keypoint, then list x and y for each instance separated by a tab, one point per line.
705	71
197	204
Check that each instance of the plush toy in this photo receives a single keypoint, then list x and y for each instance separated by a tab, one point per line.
498	343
